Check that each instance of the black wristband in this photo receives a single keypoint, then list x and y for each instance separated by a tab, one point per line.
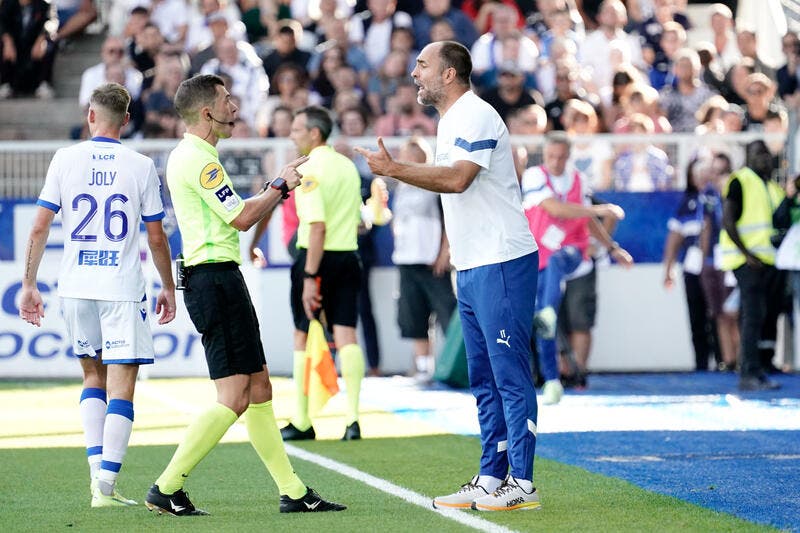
308	275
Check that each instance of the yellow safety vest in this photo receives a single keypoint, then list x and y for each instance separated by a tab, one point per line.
759	201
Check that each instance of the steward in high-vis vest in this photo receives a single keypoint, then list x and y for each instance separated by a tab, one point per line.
760	198
751	198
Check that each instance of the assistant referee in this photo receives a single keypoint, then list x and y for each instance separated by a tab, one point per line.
210	215
326	273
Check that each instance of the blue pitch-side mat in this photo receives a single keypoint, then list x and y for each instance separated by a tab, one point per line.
752	474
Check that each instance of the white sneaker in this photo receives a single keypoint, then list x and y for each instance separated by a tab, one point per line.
5	91
552	392
44	91
509	497
463	498
544	322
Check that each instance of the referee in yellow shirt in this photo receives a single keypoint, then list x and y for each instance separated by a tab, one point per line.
326	273
210	215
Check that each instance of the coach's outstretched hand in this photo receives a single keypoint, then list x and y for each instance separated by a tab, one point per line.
380	162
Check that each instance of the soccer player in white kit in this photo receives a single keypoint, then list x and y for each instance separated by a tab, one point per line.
105	190
496	260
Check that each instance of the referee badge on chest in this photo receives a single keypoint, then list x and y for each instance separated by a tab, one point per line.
211	176
308	184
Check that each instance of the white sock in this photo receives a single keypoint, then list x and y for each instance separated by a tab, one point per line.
93	418
422	363
489	483
117	432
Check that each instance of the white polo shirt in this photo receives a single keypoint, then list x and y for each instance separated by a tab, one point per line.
485	224
105	190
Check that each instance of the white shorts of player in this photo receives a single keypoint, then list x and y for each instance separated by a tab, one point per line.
119	332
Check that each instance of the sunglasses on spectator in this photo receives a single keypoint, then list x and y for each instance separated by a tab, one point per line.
118	51
756	91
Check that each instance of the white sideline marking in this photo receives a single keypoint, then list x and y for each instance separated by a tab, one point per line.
394	490
144	387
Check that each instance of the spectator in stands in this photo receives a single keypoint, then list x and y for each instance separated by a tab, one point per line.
285	48
442	30
752	197
709	116
463	28
287	80
681	102
683	244
384	84
143	52
562	52
323	12
651	29
567	88
172	19
280	123
559	26
199	35
529	120
787	74
641	166
748	47
27	51
613	104
73	17
591	157
136	21
503	42
711	73
642	98
673	39
404	115
483	12
422	255
735	88
510	92
596	50
260	21
378	24
111	53
249	81
353	53
725	47
758	101
169	73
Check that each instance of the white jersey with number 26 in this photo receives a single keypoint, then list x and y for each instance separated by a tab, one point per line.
103	190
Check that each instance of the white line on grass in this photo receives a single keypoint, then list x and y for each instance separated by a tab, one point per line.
394	490
145	387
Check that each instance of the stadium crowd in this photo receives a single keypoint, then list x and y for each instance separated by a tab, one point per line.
581	66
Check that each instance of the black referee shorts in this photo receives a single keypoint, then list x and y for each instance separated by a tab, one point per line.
340	274
219	305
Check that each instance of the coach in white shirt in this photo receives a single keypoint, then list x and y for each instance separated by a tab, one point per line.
496	260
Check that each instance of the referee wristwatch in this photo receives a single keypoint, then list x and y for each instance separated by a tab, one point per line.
279	184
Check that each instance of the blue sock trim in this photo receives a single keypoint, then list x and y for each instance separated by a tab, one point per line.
120	407
94	450
110	466
92	392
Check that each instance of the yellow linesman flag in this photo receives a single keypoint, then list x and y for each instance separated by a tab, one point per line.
319	383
